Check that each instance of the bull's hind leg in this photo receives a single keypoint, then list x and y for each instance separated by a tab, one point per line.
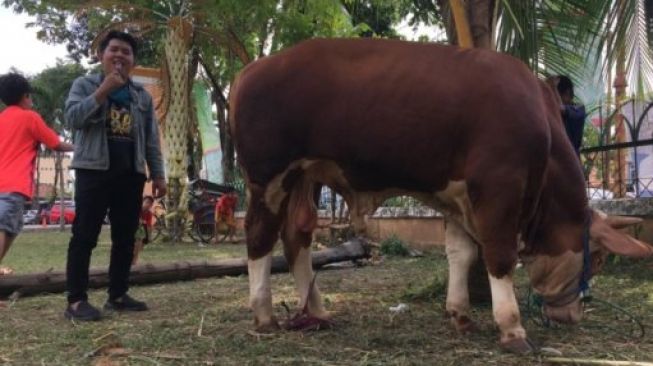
262	229
461	254
297	230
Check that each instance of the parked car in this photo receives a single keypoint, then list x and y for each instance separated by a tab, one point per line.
55	212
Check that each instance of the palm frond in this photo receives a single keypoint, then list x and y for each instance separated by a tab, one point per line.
624	32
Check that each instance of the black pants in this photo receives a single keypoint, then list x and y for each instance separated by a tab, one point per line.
120	193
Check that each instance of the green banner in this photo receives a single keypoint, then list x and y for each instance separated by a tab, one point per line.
212	161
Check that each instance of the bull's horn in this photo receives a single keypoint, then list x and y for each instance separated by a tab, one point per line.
620	222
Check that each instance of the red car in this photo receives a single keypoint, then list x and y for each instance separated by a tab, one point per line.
68	213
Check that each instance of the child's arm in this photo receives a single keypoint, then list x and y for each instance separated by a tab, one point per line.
64	146
45	135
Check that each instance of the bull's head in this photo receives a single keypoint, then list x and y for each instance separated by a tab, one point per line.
560	279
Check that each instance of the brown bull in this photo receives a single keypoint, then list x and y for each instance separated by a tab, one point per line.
470	132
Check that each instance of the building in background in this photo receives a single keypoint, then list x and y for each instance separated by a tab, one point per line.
47	174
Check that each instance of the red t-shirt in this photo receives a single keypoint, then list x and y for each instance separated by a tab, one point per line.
21	130
146	218
226	205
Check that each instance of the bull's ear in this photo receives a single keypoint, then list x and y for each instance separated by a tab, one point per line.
620	222
617	242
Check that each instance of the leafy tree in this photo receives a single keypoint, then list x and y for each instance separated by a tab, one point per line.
51	87
379	18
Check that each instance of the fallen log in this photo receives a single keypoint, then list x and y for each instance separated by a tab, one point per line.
584	361
144	274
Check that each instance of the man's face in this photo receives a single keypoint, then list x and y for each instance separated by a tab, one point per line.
567	97
117	56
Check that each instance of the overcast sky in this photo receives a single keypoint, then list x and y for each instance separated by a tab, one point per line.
21	49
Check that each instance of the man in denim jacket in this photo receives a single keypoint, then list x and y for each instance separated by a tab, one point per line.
115	134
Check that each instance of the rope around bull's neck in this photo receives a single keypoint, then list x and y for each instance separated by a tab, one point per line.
533	310
535	304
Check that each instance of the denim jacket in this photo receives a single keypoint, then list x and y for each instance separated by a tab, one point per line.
87	120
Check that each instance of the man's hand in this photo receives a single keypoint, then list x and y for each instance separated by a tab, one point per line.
110	83
159	187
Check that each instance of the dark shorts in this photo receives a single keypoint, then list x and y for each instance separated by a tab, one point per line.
11	213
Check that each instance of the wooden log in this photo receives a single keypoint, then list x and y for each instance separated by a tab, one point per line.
585	361
53	282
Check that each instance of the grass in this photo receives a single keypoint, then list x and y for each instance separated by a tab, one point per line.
40	251
207	322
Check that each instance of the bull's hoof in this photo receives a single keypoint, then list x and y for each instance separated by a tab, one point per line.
463	324
520	346
269	327
306	322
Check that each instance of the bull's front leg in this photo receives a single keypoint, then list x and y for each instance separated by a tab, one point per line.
461	254
506	315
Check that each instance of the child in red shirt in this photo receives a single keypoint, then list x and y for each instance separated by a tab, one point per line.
21	132
225	208
144	228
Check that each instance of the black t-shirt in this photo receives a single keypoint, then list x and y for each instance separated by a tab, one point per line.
120	134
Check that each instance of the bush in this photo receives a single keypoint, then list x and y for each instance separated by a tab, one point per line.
394	246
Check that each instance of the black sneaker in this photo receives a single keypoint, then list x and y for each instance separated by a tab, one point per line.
125	303
85	312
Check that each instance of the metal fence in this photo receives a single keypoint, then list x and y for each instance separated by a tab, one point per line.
618	156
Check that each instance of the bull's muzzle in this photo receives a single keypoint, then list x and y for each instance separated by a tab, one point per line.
570	313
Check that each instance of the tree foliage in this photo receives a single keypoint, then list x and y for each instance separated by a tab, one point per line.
51	87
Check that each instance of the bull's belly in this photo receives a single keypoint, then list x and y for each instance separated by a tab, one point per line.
452	201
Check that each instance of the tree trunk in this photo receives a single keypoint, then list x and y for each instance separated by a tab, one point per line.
620	85
194	144
481	22
51	282
59	173
223	127
463	32
473	22
36	205
228	158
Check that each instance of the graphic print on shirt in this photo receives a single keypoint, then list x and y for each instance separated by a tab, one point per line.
120	134
119	123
